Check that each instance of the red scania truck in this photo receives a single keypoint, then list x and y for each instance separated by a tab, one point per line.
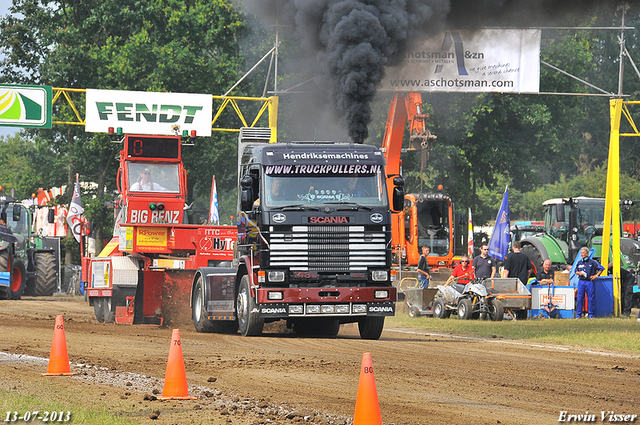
313	245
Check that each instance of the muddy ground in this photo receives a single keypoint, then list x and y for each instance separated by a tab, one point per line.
282	379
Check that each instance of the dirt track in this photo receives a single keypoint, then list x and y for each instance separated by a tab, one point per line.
421	379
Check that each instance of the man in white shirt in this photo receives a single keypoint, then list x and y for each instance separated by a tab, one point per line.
144	183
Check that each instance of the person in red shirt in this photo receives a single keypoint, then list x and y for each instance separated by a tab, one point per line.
463	271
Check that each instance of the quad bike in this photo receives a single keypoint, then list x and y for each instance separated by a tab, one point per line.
469	301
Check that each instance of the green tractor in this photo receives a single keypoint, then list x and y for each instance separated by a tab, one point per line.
32	260
569	225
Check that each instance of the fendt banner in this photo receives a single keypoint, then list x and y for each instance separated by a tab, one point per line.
488	60
148	112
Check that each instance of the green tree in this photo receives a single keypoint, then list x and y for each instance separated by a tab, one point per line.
175	46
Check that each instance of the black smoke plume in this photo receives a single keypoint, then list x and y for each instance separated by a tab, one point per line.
354	40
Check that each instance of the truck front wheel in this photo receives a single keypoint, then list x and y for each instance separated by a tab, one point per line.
249	321
370	327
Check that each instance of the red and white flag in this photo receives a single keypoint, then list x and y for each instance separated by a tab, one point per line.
74	217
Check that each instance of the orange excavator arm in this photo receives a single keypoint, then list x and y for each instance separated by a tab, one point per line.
405	107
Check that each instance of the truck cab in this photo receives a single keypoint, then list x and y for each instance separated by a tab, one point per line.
314	239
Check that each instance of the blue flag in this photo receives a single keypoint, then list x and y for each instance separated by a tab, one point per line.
499	243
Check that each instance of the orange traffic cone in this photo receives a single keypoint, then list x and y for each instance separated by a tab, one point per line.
59	359
175	378
367	406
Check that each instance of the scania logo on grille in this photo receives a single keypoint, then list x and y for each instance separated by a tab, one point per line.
279	218
376	218
329	220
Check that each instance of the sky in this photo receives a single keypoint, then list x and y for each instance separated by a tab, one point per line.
4	9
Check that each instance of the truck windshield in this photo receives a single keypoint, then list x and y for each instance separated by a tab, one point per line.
151	177
366	190
433	226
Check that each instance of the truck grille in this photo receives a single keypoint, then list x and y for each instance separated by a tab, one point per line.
328	248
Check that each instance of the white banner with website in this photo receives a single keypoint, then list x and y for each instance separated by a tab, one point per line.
488	60
149	112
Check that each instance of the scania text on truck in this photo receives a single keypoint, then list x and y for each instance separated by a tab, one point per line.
314	241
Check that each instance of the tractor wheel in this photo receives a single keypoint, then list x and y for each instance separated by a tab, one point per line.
370	327
249	322
465	309
98	309
496	310
46	276
414	312
439	310
534	256
19	279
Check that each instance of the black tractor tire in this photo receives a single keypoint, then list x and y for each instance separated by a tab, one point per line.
249	322
19	275
370	327
535	257
46	276
496	310
465	309
439	310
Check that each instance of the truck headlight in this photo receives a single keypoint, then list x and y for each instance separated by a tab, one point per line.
343	309
275	295
313	309
381	294
276	276
295	309
359	308
379	275
328	309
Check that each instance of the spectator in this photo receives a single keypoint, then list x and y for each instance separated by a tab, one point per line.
626	289
587	269
462	273
423	268
545	275
484	265
517	264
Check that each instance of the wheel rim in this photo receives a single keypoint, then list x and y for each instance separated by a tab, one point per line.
462	310
242	306
17	279
437	309
197	305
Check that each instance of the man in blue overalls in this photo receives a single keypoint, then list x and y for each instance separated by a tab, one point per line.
587	269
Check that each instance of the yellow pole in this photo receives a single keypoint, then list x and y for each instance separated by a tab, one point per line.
273	118
611	231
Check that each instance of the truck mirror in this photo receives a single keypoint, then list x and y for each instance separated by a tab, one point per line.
398	181
246	194
398	198
560	212
51	216
16	213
